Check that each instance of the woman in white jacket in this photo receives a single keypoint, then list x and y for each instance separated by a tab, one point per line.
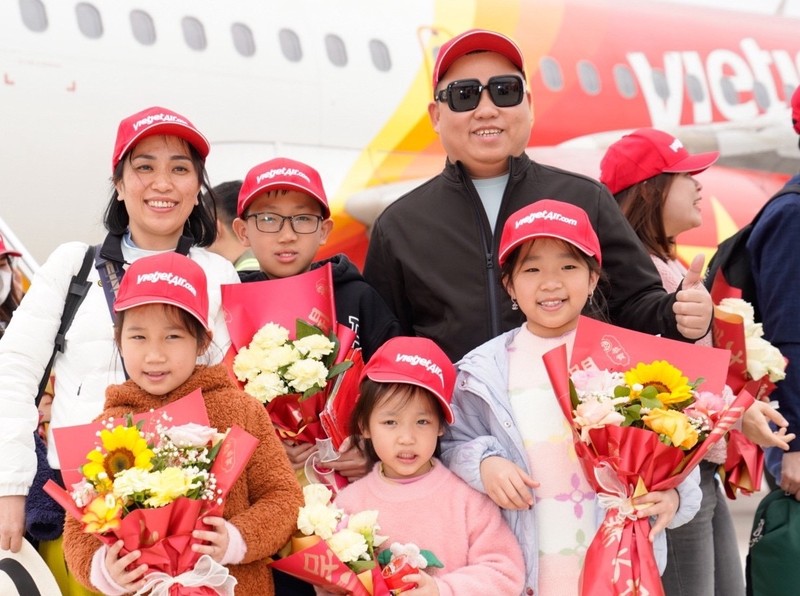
157	205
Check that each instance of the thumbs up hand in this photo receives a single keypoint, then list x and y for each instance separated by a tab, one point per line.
693	308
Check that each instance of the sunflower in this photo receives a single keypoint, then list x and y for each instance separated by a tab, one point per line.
670	383
123	447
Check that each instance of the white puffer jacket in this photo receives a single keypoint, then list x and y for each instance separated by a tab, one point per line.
90	361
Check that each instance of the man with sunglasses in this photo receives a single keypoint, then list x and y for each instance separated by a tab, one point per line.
433	252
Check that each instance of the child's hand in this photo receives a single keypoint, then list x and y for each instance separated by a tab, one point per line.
351	464
507	484
217	539
756	428
664	505
298	453
129	580
426	585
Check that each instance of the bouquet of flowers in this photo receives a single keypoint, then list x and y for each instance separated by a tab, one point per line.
637	428
148	482
333	550
289	354
755	365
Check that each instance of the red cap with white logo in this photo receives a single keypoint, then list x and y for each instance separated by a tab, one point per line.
414	361
645	153
156	121
4	250
548	218
282	173
476	40
166	278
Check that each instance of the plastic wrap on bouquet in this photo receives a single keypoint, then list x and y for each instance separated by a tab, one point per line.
744	466
317	564
338	408
624	462
164	534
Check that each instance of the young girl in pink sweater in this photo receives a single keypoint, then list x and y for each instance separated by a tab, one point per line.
402	411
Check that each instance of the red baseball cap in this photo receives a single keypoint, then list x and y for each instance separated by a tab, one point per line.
282	173
796	110
166	278
415	361
4	250
472	41
549	218
156	121
645	153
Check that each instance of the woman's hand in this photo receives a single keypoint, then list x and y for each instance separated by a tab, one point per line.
507	484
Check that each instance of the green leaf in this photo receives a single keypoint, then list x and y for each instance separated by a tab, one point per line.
384	557
338	369
309	392
649	392
305	329
573	395
651	402
432	560
622	391
359	566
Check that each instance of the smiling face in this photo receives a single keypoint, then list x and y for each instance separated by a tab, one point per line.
551	283
159	187
483	138
283	253
682	205
404	427
159	349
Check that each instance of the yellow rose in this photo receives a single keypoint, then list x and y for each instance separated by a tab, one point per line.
674	425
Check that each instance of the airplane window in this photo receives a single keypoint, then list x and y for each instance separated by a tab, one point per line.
729	91
243	39
89	21
144	30
761	95
193	33
33	14
660	83
380	55
551	73
290	45
588	77
623	78
337	53
695	88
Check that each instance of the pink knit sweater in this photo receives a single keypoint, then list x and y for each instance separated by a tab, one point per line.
441	513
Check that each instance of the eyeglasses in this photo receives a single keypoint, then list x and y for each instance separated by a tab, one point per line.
272	223
462	96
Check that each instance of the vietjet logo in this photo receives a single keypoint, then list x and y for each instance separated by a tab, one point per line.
719	81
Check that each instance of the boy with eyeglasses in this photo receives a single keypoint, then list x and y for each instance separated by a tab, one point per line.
283	216
433	252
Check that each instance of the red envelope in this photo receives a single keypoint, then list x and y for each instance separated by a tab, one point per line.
250	306
603	346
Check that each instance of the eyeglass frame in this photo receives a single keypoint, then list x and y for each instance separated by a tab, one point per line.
445	95
319	219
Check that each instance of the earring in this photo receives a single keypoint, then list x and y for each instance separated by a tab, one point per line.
590	298
514	305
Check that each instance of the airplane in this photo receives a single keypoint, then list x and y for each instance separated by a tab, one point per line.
345	85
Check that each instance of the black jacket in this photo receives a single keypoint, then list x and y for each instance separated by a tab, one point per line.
433	258
358	305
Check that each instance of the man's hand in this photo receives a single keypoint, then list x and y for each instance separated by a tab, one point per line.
790	474
12	522
693	307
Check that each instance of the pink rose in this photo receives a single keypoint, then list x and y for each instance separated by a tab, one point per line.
595	413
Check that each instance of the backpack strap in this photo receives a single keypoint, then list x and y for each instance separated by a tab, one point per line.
78	288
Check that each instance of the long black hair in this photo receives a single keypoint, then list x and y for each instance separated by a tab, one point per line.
202	222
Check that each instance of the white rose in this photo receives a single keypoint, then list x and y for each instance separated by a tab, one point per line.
764	359
270	336
737	306
316	493
305	374
348	545
266	386
318	519
191	435
314	346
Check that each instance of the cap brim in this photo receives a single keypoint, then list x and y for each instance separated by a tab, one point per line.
121	305
394	377
282	185
176	129
11	253
694	164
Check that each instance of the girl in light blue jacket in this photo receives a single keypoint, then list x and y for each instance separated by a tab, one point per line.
511	439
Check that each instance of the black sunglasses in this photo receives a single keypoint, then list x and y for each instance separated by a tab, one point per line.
462	96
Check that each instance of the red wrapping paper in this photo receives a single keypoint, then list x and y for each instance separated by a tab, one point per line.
318	565
744	466
163	534
620	558
338	408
